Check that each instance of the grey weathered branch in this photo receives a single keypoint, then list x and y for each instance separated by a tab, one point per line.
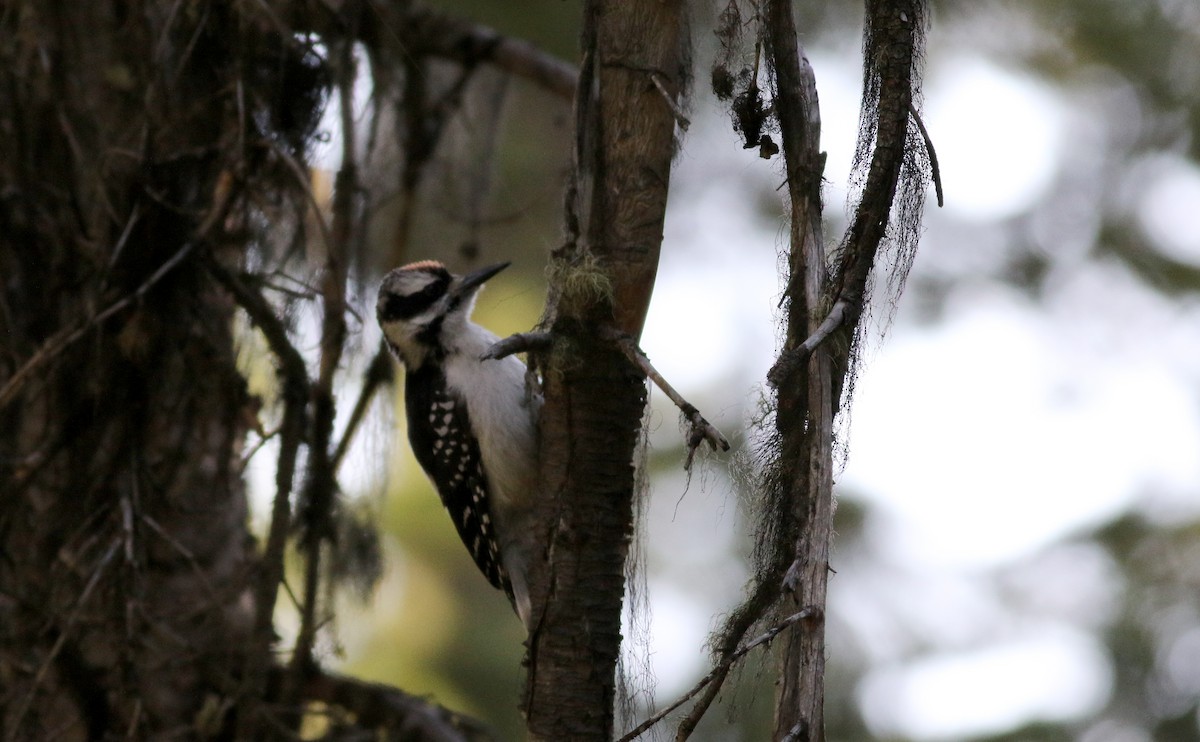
521	342
700	430
935	171
676	110
404	31
801	482
790	360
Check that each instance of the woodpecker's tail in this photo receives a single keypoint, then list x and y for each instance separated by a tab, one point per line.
516	584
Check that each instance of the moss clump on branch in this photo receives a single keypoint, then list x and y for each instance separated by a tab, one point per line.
585	284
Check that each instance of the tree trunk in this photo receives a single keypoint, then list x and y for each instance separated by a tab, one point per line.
126	561
594	398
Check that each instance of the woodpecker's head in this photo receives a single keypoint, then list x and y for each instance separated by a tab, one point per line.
423	307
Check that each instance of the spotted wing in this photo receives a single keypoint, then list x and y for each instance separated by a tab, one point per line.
439	431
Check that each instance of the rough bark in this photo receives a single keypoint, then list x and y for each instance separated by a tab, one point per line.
804	417
823	315
123	581
594	397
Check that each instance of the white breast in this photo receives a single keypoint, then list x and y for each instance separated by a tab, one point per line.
501	416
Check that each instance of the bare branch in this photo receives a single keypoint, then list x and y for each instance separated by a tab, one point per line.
701	429
63	634
186	553
721	669
406	32
680	117
521	342
382	707
761	599
936	171
304	182
790	360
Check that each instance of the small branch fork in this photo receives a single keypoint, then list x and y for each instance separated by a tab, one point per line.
790	360
721	669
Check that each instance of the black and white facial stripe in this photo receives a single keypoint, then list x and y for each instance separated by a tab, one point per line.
439	431
435	280
418	302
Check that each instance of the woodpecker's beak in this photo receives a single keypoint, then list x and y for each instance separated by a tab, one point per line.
472	281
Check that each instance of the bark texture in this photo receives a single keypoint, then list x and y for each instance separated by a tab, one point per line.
824	311
602	278
804	417
122	512
152	182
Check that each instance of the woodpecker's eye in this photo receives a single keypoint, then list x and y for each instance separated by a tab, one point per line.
393	306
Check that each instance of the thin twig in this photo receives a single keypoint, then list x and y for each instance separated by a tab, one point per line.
377	373
521	342
680	117
721	668
186	553
701	430
302	179
119	247
789	360
744	617
263	437
935	171
294	376
63	634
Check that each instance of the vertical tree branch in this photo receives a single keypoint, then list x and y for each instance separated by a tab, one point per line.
293	379
594	397
811	374
317	517
805	409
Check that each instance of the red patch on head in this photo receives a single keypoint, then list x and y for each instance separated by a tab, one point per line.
423	265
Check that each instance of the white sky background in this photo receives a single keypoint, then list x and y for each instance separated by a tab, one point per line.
980	438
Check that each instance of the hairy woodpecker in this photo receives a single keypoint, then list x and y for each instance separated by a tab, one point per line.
471	423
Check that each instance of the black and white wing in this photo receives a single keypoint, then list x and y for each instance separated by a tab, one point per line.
439	431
